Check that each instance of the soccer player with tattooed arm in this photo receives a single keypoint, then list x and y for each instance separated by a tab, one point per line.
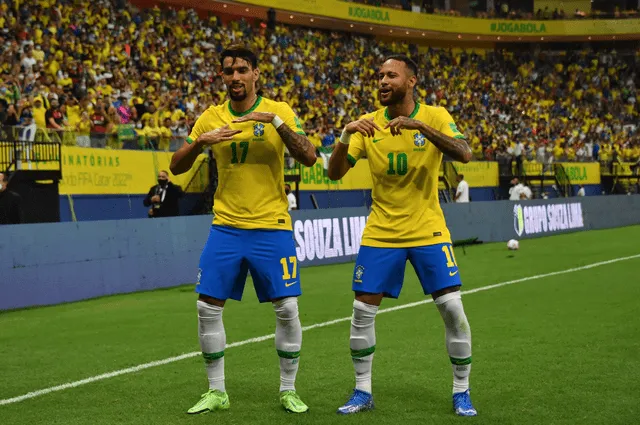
404	143
251	228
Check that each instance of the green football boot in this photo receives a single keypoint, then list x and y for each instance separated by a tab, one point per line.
211	400
291	402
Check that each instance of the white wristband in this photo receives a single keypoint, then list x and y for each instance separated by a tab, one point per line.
277	122
345	137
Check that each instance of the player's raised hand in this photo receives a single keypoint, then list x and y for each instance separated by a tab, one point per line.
219	135
397	124
364	126
265	117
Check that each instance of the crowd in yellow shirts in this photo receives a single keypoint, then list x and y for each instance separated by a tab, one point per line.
101	73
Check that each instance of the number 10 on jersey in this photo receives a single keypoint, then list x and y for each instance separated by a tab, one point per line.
399	166
451	259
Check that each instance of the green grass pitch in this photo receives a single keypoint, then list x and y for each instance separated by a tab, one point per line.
560	349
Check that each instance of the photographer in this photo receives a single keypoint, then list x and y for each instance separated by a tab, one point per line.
163	198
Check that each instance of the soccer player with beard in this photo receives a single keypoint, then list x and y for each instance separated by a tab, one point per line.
404	143
251	228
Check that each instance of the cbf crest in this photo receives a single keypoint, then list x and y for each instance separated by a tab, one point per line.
419	140
258	129
358	274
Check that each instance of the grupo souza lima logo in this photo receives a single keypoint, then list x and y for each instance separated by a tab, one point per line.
534	219
328	237
518	27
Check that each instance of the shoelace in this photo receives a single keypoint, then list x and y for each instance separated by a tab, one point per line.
464	401
207	393
357	398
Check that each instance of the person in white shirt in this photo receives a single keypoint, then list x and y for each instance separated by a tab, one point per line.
293	202
28	61
462	193
581	191
516	191
518	153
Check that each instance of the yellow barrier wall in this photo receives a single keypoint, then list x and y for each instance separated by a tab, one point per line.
578	172
582	172
477	174
421	21
87	171
358	178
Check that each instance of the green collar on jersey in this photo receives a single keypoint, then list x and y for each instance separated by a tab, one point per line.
250	110
413	114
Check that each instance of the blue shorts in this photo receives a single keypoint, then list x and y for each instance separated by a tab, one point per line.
381	270
270	255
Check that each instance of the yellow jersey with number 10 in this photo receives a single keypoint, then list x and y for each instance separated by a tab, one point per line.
250	193
404	169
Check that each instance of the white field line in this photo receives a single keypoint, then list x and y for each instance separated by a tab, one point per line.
144	366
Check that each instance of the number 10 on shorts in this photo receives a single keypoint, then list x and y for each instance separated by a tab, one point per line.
285	267
451	259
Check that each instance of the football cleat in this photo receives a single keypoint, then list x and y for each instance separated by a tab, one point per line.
211	400
360	401
462	404
291	402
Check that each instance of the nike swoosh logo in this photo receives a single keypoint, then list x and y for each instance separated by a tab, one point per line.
377	140
453	273
290	284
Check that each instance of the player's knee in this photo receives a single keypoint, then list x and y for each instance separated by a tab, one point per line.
448	298
208	312
286	309
363	314
451	308
363	335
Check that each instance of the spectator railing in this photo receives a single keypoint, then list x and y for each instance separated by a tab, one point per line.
121	137
450	178
620	177
562	180
20	155
621	169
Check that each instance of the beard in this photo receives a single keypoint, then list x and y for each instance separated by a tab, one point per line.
237	96
395	97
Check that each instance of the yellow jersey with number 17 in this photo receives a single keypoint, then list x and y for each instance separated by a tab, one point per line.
404	169
250	193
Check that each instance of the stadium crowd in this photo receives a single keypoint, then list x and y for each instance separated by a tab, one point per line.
94	74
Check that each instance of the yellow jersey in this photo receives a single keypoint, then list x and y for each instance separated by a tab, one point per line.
39	116
250	192
404	169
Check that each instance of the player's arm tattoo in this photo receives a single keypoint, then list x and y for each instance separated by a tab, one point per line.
300	148
456	149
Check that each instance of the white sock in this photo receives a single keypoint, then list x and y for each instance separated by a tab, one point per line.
212	342
458	338
363	342
288	340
